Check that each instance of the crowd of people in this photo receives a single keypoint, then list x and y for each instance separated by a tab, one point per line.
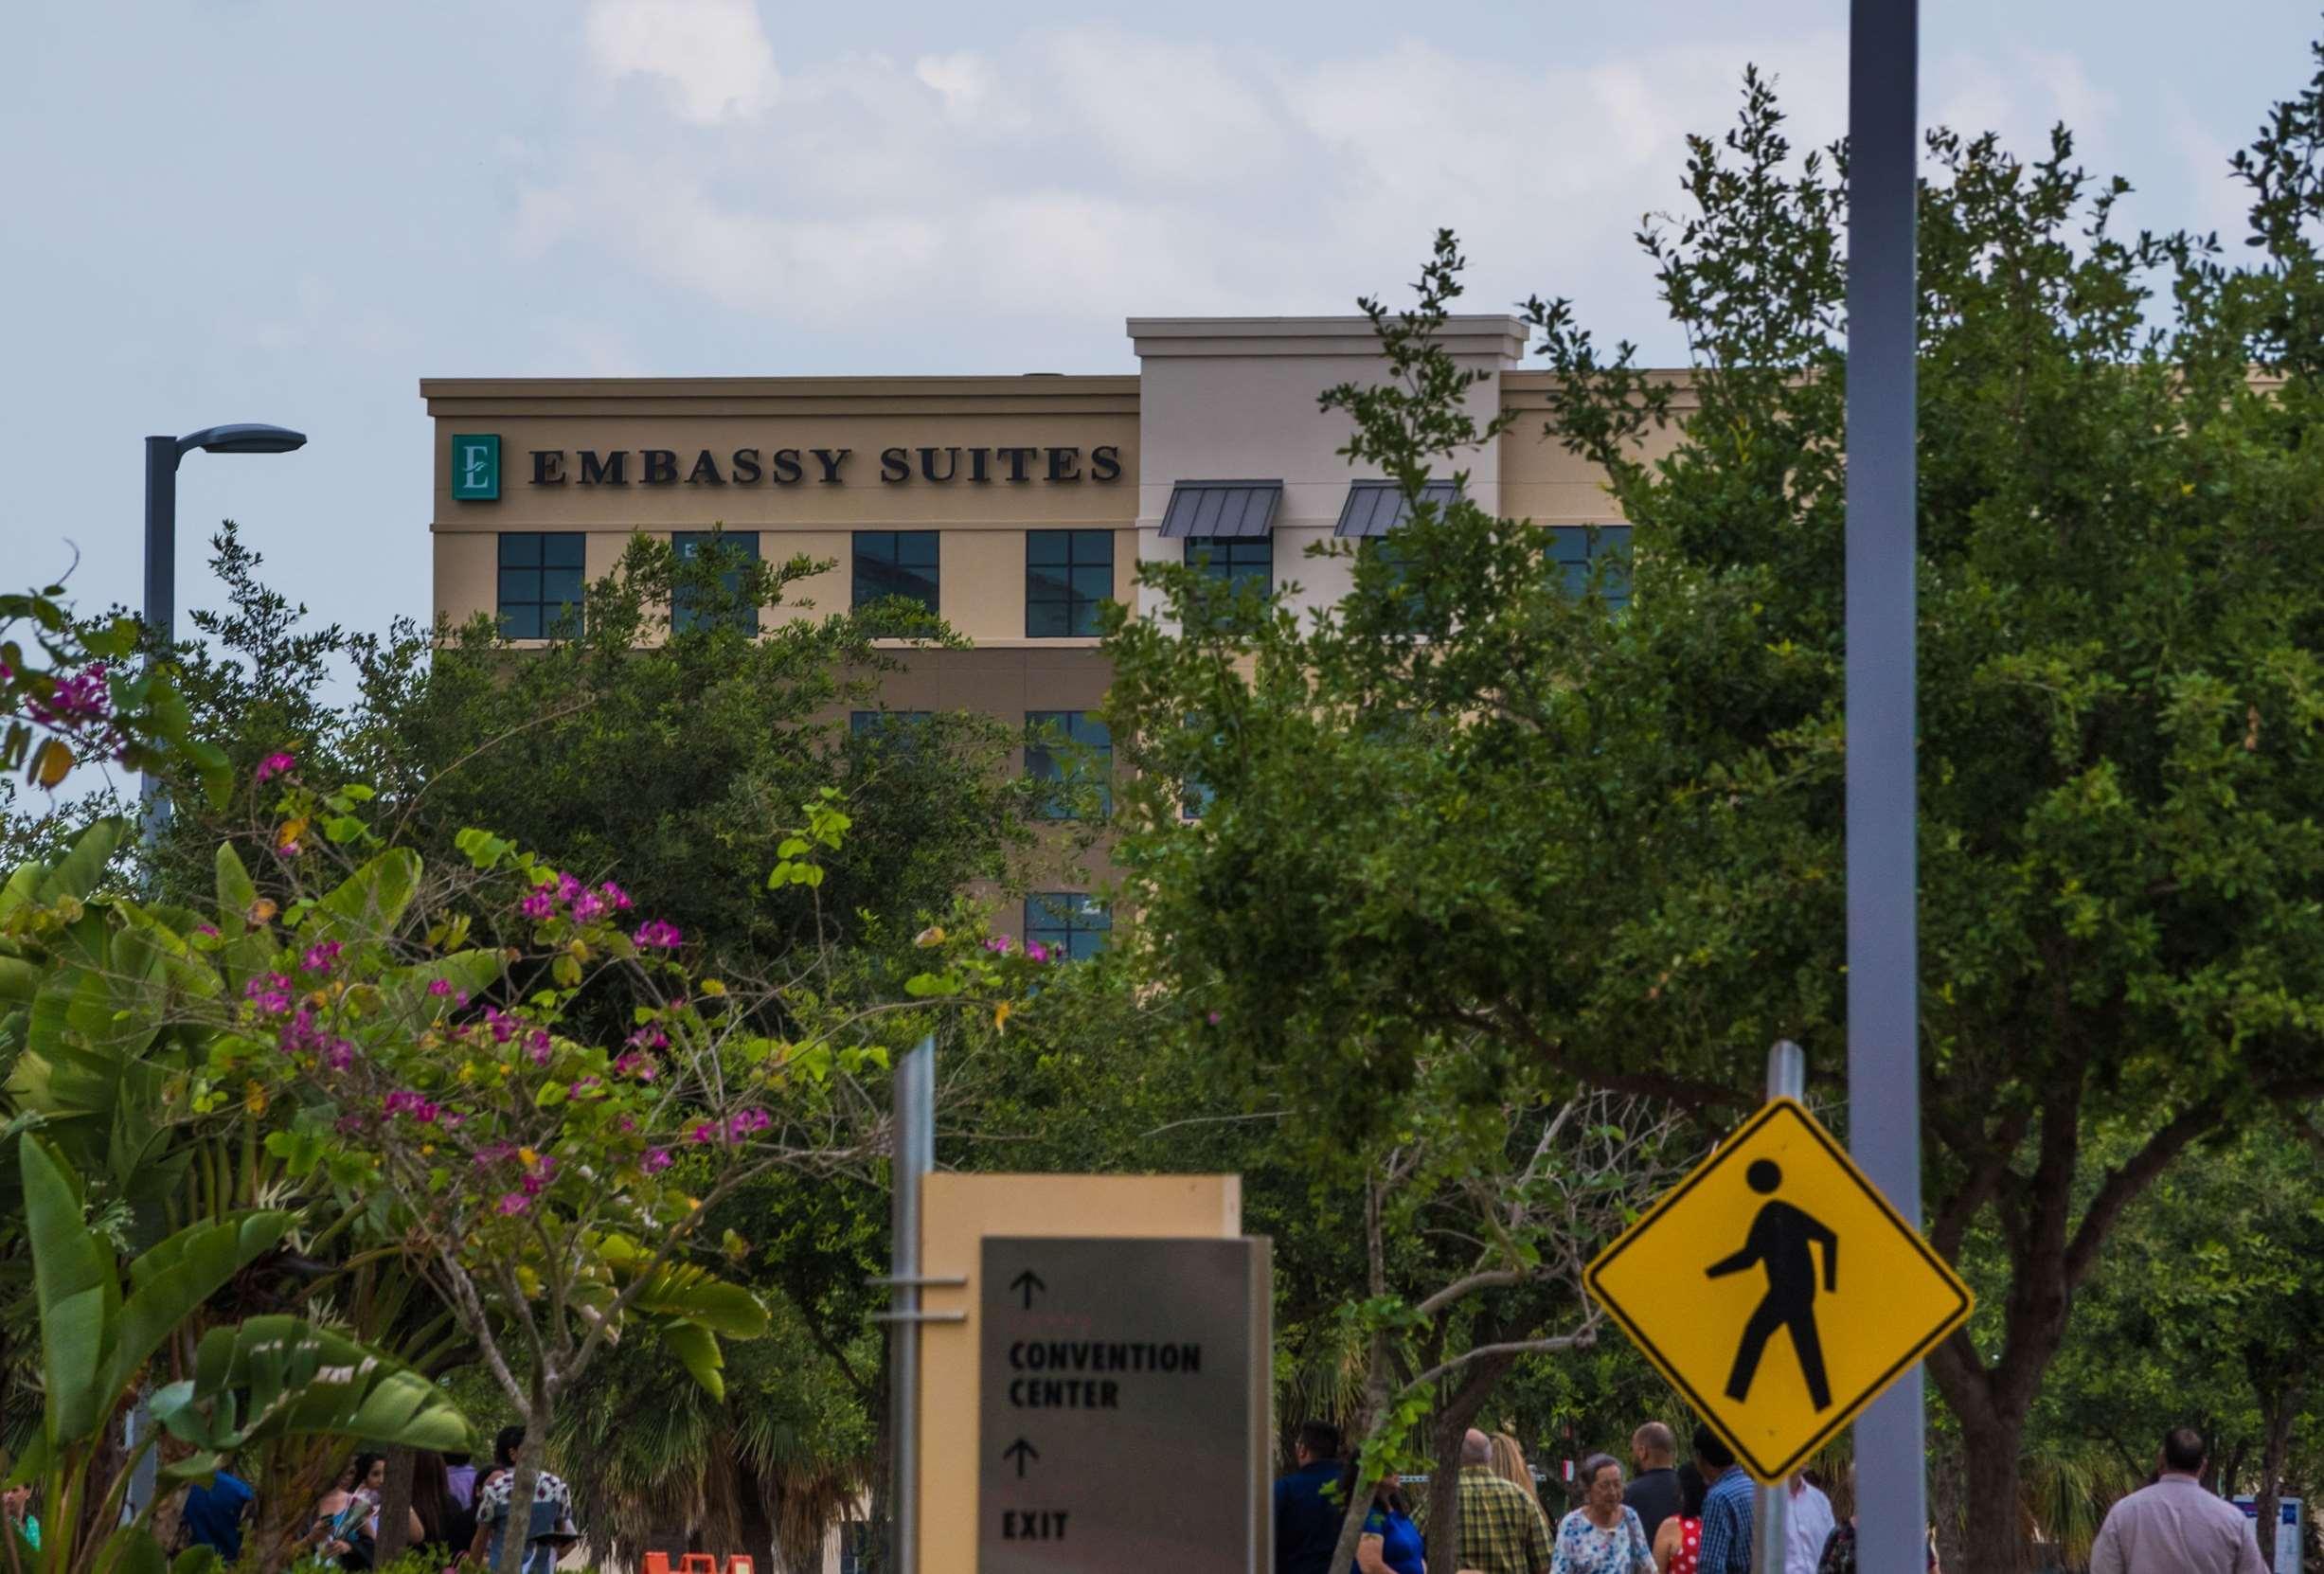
1693	1517
457	1513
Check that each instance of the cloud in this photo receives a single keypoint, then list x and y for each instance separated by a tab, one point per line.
1063	180
712	54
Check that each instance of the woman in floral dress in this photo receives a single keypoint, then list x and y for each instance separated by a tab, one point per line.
1603	1536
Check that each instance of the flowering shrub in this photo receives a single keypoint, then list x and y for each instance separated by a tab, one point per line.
76	696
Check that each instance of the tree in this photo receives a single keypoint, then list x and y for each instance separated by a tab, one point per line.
1608	845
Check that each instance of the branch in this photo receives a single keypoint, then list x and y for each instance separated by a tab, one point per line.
1581	1338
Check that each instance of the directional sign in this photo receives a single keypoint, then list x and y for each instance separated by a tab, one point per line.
1124	1406
1777	1290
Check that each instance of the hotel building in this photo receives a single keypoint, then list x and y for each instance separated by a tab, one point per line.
1011	505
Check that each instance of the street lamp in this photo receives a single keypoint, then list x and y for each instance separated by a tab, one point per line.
161	461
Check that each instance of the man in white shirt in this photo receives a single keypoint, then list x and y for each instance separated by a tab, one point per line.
2177	1526
1806	1526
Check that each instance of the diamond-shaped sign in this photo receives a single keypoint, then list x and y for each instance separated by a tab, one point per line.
1777	1290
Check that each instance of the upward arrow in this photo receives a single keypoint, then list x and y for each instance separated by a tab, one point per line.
1027	1282
1021	1451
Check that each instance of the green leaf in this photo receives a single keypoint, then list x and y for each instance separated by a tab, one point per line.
170	1283
369	902
236	893
132	1549
696	1349
77	1294
300	1380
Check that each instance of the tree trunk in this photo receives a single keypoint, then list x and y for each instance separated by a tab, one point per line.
526	1478
1450	1429
1993	1538
395	1509
2281	1412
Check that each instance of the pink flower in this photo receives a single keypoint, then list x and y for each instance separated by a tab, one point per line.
746	1121
615	894
502	1024
338	1054
584	1086
514	1202
998	945
537	1045
440	987
656	1161
587	907
208	929
1035	951
495	1152
320	957
276	765
77	700
1214	1019
648	1037
655	931
538	905
639	1064
270	993
403	1101
567	888
703	1131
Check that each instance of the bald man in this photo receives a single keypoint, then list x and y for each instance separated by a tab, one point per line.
1502	1528
1653	1491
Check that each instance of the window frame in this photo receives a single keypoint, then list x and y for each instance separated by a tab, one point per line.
1042	765
686	619
1603	542
1080	611
1060	937
1214	558
576	543
893	563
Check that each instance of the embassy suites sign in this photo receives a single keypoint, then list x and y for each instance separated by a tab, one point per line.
475	466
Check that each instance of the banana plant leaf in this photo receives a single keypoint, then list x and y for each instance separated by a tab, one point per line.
282	1376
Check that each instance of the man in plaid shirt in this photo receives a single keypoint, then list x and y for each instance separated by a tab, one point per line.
1727	1507
1502	1528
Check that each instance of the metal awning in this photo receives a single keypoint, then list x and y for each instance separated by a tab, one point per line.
1215	509
1376	507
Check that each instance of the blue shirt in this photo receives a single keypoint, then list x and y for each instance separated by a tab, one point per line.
1726	1525
1399	1541
1307	1523
213	1516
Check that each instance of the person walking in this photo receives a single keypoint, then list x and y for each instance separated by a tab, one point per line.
1307	1518
1652	1492
1390	1543
1727	1506
445	1528
2177	1526
1503	1530
1678	1546
1603	1536
460	1478
1807	1526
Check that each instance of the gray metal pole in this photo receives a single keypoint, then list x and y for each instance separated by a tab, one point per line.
1883	968
914	1157
1771	1506
160	609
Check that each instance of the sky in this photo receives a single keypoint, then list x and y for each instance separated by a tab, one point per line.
291	211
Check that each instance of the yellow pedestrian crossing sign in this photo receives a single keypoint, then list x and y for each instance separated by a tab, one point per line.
1777	1290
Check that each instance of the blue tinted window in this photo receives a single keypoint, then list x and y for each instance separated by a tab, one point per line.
1069	924
1576	554
1066	574
1068	747
1238	560
690	545
540	584
895	562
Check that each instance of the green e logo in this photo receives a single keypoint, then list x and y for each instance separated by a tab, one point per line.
476	465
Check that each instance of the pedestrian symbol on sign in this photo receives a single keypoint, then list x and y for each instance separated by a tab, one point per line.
1783	1240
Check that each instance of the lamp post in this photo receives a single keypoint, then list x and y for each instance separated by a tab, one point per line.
161	461
162	455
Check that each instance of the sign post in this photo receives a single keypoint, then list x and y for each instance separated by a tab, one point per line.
1778	1290
1122	1405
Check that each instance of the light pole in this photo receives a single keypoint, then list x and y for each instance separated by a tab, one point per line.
161	461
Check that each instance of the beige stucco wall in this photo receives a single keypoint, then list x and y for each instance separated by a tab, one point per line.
1540	480
1236	399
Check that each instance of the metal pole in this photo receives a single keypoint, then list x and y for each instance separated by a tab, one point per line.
1771	1506
160	610
1884	1058
914	1157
